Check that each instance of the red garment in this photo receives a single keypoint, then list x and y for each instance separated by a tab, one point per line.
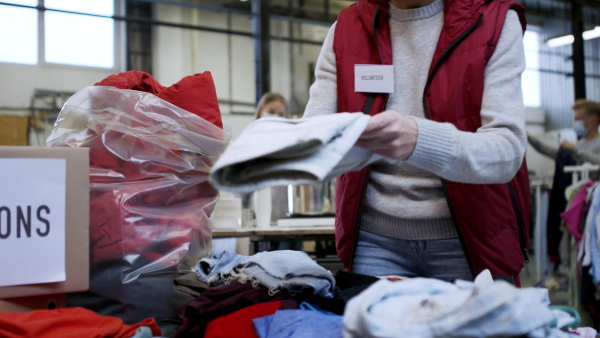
239	323
74	322
147	201
575	213
123	225
222	301
195	93
492	219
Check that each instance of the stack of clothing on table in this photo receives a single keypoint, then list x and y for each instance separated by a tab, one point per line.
269	290
287	294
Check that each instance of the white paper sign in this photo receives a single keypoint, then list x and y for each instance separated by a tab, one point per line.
32	221
374	78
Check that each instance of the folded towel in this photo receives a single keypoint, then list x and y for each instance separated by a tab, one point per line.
275	151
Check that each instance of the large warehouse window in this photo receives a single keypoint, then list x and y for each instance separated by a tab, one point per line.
67	38
80	39
532	94
18	33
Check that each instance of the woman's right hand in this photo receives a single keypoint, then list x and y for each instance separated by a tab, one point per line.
390	134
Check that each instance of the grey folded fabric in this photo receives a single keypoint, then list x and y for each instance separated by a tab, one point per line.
189	284
274	151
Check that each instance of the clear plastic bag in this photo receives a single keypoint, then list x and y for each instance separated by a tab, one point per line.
150	199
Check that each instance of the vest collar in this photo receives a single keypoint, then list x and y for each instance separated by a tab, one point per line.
367	9
459	15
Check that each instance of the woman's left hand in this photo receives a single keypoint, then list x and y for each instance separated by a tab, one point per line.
567	144
390	134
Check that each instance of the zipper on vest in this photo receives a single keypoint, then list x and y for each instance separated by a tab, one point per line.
446	52
373	32
366	110
519	214
371	97
357	220
455	220
426	111
368	103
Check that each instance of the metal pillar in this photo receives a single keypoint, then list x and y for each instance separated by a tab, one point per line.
578	51
260	33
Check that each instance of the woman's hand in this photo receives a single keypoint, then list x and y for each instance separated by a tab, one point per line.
390	134
567	145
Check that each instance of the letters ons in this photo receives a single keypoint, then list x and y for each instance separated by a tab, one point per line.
20	218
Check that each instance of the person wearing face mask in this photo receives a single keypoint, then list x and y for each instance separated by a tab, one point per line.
274	104
587	119
271	104
587	149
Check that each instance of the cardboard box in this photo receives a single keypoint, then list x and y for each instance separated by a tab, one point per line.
24	304
76	240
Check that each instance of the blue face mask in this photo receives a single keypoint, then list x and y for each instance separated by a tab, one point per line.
579	128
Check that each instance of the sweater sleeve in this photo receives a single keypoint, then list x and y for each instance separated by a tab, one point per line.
323	92
495	151
584	155
543	148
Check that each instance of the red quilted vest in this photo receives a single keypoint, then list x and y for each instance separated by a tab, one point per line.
492	220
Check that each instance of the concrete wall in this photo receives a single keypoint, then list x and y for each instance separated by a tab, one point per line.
230	58
181	52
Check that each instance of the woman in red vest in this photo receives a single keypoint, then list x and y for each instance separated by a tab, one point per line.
442	81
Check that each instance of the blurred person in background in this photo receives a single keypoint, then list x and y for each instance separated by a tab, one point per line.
274	105
587	148
271	104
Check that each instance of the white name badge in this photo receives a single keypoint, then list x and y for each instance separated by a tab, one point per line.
374	78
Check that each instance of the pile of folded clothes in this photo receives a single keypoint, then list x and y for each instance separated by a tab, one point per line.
287	294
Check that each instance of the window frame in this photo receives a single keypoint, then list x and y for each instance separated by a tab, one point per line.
118	38
536	69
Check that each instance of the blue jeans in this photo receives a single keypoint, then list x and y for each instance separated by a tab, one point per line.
378	255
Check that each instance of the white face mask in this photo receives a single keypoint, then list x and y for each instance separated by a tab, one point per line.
580	128
265	114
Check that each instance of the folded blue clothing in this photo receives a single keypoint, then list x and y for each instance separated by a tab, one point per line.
292	270
299	323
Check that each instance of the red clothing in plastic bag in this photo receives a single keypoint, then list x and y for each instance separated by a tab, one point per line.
195	93
151	150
